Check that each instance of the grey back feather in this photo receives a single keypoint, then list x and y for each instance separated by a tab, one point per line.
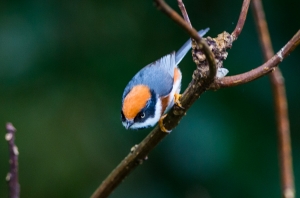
157	75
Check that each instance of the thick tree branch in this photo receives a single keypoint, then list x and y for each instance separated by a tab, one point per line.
260	71
12	176
242	19
280	103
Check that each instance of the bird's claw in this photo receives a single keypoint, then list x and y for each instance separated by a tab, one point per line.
161	124
176	100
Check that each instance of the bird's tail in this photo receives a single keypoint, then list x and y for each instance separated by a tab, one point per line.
186	47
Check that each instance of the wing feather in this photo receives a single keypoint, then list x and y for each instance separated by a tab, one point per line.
158	76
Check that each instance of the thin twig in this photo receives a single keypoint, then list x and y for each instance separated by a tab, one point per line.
280	103
184	12
12	176
139	152
260	71
242	19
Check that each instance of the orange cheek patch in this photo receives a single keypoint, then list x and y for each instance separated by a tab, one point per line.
135	101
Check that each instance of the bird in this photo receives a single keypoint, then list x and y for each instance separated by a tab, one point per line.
154	90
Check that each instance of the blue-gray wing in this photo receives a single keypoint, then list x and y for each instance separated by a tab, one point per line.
158	76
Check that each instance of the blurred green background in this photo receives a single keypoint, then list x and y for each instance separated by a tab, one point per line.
63	68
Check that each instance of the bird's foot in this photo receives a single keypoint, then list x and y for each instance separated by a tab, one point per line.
161	124
176	100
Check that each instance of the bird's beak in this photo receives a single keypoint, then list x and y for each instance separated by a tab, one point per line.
129	123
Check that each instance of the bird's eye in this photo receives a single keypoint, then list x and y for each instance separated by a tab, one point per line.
142	115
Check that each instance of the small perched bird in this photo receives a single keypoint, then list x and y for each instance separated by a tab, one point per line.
153	90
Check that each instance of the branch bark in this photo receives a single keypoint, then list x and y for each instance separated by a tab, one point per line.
280	103
12	176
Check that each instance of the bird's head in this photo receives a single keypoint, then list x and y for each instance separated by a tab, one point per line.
141	108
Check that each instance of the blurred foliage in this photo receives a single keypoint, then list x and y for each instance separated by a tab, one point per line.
63	68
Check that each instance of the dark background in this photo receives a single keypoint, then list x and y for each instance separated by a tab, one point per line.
63	68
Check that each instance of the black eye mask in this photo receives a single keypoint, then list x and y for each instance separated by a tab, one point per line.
149	110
